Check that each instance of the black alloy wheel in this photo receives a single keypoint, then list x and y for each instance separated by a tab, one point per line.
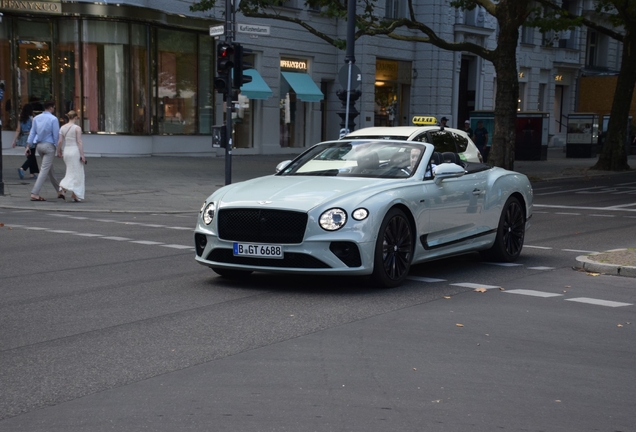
393	250
510	233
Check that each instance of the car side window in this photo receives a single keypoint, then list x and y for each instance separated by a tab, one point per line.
462	143
421	137
442	141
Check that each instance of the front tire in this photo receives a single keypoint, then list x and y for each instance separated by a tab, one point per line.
510	233
393	250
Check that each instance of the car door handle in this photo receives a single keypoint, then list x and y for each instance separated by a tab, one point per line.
477	192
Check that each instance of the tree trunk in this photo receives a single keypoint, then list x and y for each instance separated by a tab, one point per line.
614	155
502	152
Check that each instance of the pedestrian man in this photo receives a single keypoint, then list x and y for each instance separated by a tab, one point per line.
442	123
43	137
481	139
468	129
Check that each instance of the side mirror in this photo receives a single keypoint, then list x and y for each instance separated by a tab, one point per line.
281	166
448	170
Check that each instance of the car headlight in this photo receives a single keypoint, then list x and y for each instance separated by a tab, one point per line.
333	219
360	214
208	213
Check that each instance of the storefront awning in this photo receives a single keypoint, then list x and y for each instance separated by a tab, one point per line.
258	88
305	88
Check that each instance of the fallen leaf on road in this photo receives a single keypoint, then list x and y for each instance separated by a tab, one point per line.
501	289
593	274
459	325
414	369
480	290
1	224
619	325
568	286
447	297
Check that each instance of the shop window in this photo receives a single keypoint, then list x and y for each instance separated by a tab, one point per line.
67	61
5	73
106	76
205	91
139	74
176	82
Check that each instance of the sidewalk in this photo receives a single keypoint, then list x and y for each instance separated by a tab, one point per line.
180	184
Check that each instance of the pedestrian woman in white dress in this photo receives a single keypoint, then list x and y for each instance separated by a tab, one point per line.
71	149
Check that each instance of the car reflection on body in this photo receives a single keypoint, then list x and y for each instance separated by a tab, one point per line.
364	207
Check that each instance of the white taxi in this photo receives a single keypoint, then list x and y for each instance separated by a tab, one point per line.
426	129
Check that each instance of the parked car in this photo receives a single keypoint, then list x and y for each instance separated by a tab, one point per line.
444	140
364	207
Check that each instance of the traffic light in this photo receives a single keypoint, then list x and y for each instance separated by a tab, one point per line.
224	58
224	64
239	66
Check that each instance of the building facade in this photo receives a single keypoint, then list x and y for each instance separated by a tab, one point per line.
140	73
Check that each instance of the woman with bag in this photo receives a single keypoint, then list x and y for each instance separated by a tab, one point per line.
70	147
20	139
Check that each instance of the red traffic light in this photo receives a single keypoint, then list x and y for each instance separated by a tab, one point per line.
224	58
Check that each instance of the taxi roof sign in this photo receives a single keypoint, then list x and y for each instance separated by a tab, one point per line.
424	120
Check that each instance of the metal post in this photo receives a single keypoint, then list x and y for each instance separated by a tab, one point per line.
350	57
229	16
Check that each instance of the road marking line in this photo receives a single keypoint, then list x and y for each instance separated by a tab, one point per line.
541	268
601	215
568	191
63	231
181	228
533	293
578	251
582	208
474	285
35	228
504	264
117	238
89	235
538	247
146	242
425	279
568	214
176	246
598	302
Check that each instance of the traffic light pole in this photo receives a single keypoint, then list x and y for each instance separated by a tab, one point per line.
229	33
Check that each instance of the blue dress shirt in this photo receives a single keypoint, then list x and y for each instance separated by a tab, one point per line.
46	128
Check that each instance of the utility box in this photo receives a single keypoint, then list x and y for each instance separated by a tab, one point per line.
582	137
531	141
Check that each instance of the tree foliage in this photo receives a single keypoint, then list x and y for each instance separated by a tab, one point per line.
509	14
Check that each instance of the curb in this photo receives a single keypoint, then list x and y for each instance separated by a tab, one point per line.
583	262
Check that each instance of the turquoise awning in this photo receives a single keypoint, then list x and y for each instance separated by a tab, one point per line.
305	88
258	88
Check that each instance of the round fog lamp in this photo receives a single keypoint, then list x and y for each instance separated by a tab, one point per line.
360	214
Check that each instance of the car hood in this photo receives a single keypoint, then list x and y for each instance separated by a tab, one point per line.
299	193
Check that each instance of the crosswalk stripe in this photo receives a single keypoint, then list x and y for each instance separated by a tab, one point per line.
598	302
533	293
474	285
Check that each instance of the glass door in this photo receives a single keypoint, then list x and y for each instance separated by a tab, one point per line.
35	66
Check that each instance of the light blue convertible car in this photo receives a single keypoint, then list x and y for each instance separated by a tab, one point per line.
364	207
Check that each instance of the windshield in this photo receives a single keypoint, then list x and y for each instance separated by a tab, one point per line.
360	158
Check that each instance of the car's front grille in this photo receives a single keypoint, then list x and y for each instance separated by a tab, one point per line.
262	226
290	260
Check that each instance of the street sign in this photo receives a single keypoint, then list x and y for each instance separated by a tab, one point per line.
356	77
218	30
253	29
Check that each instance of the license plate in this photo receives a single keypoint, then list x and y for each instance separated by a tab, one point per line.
258	250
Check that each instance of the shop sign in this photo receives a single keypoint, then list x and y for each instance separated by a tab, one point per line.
386	70
294	64
31	6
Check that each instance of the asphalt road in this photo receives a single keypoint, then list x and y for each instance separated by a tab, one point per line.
109	324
